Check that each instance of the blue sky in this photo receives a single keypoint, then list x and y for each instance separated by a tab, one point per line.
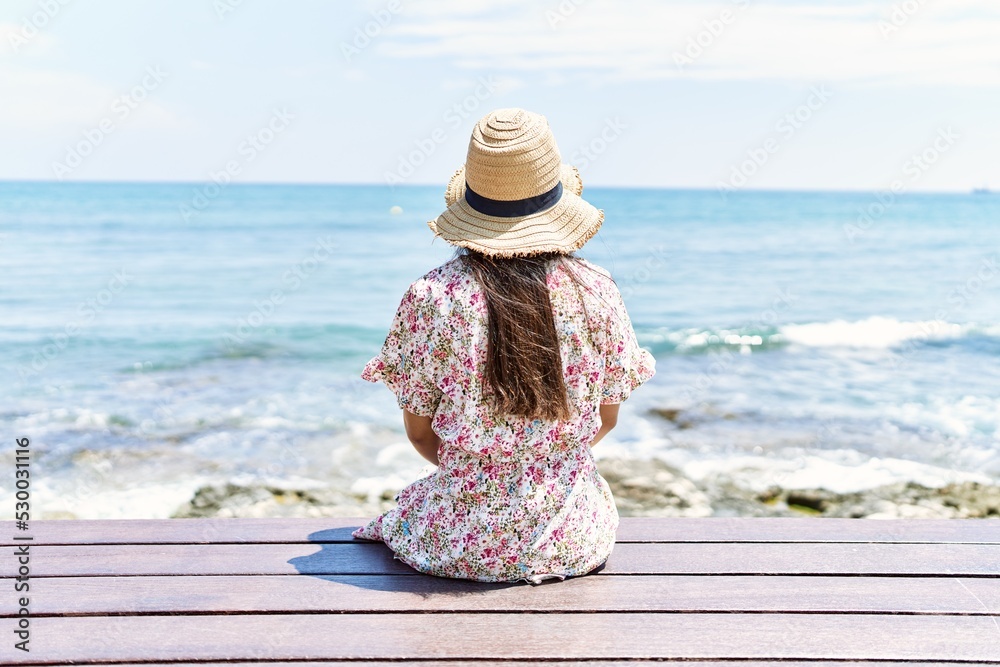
799	95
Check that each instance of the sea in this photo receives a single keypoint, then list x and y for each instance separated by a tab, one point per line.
157	338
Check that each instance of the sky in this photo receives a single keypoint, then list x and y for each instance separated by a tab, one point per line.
748	94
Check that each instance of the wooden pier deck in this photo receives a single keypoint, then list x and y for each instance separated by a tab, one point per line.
750	590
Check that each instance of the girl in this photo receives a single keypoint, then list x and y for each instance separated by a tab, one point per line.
509	361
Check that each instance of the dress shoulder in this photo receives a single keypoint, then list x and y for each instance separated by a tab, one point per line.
441	280
413	359
596	267
600	284
627	364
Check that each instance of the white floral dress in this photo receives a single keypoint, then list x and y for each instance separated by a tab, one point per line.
512	498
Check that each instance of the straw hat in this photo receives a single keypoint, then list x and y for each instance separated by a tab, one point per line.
514	196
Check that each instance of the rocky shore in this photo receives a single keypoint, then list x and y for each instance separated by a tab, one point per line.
641	488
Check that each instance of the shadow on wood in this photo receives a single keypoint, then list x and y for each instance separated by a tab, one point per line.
381	560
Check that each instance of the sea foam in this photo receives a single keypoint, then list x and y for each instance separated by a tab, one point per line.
873	332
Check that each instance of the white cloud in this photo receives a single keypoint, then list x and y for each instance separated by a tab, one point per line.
13	39
37	98
500	84
940	42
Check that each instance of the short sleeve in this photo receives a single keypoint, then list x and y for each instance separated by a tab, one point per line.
626	365
409	357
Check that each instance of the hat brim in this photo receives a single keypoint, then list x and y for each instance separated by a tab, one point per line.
564	227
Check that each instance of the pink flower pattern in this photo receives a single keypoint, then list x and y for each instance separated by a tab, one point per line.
512	498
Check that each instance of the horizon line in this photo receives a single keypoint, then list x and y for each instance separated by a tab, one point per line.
660	188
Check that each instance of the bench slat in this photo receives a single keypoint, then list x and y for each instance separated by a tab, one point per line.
290	594
560	663
523	636
631	529
363	557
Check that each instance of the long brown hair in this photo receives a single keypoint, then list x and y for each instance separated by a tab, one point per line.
524	371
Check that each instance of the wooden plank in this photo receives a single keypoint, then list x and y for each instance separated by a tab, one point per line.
559	663
683	593
364	557
631	529
517	636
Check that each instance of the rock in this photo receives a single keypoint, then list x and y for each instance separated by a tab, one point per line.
670	414
972	499
728	499
903	500
255	501
673	415
641	488
652	488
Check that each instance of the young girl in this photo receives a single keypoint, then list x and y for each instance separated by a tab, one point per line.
509	362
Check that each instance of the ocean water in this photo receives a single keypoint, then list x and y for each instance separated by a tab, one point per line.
157	337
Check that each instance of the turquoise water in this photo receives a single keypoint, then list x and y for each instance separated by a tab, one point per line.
158	336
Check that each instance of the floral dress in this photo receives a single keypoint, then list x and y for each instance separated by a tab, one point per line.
512	498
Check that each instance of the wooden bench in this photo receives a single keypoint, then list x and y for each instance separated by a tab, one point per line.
754	590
